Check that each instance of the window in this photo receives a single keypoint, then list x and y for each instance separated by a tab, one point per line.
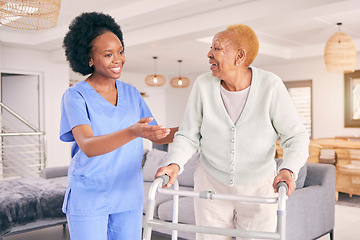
301	93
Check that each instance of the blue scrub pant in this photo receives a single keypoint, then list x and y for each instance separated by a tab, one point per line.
119	226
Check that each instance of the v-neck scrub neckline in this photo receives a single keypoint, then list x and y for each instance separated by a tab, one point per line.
101	98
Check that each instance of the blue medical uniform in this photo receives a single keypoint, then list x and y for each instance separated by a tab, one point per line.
112	182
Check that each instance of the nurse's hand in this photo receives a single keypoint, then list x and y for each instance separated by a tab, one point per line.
171	170
153	133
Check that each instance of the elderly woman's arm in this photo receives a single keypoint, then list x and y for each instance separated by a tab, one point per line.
294	138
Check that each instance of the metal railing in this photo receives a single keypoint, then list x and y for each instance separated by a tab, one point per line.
22	146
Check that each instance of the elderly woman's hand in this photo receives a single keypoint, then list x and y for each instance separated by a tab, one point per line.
171	170
285	175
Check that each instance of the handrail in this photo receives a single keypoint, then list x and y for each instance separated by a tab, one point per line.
22	147
22	134
19	117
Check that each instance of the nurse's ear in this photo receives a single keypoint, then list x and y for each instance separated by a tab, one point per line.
91	63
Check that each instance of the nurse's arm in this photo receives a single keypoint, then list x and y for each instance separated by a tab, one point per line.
92	145
169	138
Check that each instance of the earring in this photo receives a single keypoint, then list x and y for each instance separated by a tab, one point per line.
90	65
237	64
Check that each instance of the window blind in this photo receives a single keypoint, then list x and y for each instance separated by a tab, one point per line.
301	94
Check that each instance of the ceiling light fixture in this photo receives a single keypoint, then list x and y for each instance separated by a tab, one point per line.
340	53
29	14
180	82
155	80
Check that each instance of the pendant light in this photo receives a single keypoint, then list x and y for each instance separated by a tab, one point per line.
180	82
155	80
340	53
29	14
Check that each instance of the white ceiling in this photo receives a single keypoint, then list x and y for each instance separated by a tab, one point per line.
288	30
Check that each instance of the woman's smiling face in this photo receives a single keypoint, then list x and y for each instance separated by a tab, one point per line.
107	56
222	55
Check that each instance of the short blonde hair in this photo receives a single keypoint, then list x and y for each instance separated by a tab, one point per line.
246	38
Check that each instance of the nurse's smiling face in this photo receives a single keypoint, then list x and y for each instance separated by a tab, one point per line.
107	56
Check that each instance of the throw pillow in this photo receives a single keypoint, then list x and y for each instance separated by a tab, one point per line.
302	176
154	160
186	178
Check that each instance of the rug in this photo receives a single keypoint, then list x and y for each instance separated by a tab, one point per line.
345	200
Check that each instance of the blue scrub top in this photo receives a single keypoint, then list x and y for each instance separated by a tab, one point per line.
111	182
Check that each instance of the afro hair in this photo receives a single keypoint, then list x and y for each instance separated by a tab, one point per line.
82	31
246	38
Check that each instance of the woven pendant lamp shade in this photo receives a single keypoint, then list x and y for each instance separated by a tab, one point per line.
155	80
29	14
340	53
180	82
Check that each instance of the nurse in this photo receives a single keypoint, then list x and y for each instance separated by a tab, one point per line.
106	119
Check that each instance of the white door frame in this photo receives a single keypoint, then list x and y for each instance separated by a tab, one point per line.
40	91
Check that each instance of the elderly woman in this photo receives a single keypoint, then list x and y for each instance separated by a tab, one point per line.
234	116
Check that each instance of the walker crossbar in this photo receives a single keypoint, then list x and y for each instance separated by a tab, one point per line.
175	226
214	230
213	195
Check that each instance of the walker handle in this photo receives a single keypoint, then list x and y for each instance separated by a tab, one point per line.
282	184
165	178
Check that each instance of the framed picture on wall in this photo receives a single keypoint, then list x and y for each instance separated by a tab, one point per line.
352	99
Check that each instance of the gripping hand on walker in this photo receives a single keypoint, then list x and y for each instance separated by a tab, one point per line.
171	170
285	175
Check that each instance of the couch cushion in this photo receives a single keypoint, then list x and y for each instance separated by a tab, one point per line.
159	197
186	178
300	181
154	160
54	172
186	210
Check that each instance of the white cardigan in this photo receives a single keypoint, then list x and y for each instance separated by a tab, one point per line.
242	152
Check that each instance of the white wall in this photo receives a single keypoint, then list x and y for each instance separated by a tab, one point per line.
155	96
328	95
55	79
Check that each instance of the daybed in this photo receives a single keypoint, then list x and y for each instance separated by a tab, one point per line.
310	209
32	203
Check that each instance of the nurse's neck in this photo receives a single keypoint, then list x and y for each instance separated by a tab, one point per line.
101	84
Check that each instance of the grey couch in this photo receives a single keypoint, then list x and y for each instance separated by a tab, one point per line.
310	209
32	203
